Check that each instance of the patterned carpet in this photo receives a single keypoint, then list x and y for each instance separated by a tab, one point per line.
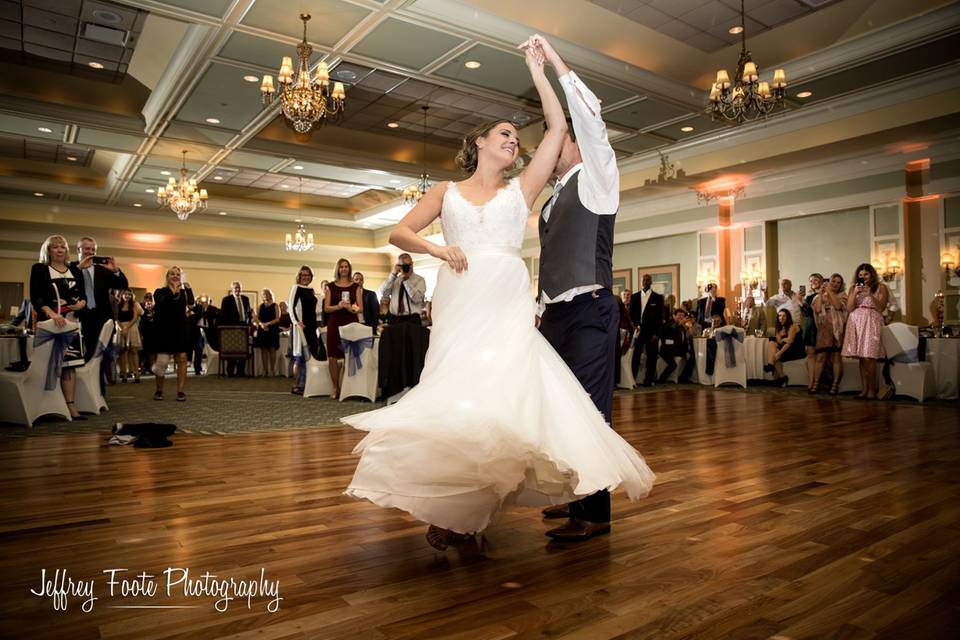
214	406
224	406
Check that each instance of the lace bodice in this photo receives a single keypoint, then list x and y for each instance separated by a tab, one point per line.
501	221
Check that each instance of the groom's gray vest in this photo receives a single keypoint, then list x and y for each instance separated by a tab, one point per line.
576	245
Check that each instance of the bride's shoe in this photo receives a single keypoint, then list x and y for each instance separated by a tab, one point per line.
440	538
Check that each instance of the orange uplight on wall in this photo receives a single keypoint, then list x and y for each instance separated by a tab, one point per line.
725	188
141	265
148	238
918	165
932	196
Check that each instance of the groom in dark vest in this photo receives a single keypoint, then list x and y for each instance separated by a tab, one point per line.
580	315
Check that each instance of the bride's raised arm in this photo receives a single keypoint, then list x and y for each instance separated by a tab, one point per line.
538	171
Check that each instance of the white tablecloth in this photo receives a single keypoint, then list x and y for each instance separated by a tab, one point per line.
755	352
944	355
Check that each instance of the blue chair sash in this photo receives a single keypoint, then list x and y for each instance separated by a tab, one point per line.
729	353
60	343
353	349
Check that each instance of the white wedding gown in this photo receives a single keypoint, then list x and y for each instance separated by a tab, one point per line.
497	417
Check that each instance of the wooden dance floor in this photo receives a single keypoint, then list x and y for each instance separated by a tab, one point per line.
773	516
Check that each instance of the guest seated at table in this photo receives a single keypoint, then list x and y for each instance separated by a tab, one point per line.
787	297
343	306
866	301
808	328
830	312
129	342
786	345
675	343
57	293
753	318
267	340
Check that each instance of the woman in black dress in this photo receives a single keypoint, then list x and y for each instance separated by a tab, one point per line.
268	333
303	336
172	330
57	293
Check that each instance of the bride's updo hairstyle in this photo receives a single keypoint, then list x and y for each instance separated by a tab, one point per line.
467	157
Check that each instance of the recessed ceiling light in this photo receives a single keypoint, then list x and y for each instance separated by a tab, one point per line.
72	158
223	213
44	129
298	167
298	220
471	64
251	78
284	186
137	204
395	181
95	65
218	177
150	190
393	125
735	30
213	120
346	74
38	194
686	129
805	94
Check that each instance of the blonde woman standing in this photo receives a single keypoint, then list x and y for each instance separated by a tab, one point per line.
129	342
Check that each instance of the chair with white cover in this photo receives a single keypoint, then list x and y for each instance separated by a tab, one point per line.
910	376
627	380
88	396
23	395
317	381
736	374
675	376
360	368
213	359
850	381
797	372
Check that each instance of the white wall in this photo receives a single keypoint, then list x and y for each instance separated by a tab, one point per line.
824	243
681	249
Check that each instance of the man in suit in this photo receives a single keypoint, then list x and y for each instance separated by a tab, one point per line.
646	312
580	315
371	306
203	328
101	276
709	307
235	310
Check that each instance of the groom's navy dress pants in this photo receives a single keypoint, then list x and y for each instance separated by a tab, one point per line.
584	333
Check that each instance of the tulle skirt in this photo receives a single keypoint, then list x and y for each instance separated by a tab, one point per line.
498	418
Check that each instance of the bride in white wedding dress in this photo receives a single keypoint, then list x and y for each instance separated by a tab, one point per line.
497	418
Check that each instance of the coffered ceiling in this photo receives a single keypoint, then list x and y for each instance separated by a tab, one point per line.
178	75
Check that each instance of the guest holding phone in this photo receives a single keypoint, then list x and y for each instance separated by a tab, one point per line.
343	304
172	317
866	301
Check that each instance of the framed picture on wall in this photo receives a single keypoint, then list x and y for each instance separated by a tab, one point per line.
666	279
622	281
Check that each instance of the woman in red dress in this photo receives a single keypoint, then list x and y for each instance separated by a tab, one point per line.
343	304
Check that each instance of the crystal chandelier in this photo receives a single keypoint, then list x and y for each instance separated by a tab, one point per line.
747	98
305	103
299	241
184	198
412	193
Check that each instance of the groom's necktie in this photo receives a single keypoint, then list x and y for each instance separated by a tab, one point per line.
553	199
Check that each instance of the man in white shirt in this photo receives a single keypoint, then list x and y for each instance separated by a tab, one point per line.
786	299
580	315
404	291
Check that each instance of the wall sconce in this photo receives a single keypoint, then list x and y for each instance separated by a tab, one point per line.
950	268
889	271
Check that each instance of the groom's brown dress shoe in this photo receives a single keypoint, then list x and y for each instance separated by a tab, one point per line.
576	530
556	511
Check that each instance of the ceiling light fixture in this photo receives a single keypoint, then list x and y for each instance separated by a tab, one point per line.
38	194
299	240
251	78
184	198
44	129
735	30
805	94
305	103
413	192
137	204
213	120
393	125
222	213
164	173
686	129
472	64
72	158
747	98
218	177
95	65
150	190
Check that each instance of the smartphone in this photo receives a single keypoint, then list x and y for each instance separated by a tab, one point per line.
100	259
803	290
859	282
345	296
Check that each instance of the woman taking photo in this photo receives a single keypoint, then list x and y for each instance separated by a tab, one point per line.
866	301
56	292
129	342
303	335
172	335
343	306
830	311
267	320
809	329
